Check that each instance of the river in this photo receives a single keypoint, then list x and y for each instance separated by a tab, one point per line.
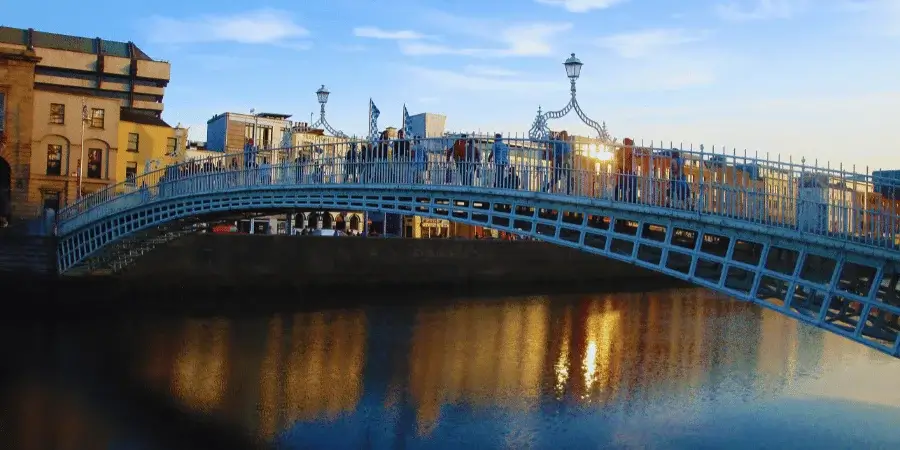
680	368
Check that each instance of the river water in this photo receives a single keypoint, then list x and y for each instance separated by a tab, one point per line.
679	368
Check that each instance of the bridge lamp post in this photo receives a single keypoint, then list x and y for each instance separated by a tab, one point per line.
322	95
541	131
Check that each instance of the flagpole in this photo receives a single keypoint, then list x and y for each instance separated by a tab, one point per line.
84	119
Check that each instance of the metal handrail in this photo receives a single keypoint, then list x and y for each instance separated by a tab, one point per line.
831	202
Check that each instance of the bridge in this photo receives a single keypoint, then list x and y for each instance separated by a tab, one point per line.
817	244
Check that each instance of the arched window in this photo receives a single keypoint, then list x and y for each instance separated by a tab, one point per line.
354	222
327	221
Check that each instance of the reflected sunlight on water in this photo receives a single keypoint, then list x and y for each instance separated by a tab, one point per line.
623	369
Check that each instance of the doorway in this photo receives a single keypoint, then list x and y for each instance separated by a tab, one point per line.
5	190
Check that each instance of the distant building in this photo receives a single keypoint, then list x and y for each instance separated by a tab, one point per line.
229	132
428	124
197	151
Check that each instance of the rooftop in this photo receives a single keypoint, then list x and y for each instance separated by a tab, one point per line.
31	38
130	115
274	116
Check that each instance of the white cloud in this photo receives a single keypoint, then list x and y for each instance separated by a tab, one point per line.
881	17
641	44
263	26
744	10
378	33
580	6
526	39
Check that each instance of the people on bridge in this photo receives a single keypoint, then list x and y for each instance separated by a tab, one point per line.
561	157
466	155
626	181
401	157
420	160
679	190
351	159
500	157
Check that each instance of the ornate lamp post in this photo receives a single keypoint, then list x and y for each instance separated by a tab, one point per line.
540	130
322	95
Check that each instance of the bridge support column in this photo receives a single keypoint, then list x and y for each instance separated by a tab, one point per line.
252	226
289	224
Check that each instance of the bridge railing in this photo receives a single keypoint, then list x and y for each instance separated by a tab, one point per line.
825	201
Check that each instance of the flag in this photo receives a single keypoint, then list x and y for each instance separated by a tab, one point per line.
373	120
407	127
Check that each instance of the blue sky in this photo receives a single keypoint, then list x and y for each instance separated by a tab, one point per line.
813	78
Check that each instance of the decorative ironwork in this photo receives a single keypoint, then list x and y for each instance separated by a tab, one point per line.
540	129
322	96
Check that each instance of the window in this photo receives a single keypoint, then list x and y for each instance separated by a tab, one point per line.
265	136
171	144
97	116
248	133
51	200
57	113
130	172
95	163
54	159
133	140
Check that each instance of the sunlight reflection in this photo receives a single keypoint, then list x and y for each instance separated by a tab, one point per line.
561	368
200	369
602	327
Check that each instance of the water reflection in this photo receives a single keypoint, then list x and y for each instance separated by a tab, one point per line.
515	372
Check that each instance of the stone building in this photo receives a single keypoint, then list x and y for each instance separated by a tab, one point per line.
46	81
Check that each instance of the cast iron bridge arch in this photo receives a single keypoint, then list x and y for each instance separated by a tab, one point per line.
838	280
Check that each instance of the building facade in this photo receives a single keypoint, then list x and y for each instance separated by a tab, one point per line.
146	143
16	110
93	67
428	125
229	132
59	145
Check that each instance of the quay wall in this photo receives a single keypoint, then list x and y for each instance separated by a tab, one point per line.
232	261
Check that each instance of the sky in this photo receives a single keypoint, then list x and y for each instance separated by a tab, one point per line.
814	79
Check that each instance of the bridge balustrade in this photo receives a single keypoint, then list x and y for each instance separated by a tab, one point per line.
833	203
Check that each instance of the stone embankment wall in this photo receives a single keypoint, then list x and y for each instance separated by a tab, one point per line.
223	262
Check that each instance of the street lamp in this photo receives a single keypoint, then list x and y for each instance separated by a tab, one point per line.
322	95
541	131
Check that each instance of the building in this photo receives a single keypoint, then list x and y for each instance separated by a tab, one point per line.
59	146
195	151
47	82
427	125
146	143
16	110
93	67
229	132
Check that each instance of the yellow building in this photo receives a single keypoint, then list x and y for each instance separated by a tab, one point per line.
145	143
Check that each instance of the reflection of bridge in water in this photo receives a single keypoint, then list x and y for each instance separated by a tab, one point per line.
523	356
